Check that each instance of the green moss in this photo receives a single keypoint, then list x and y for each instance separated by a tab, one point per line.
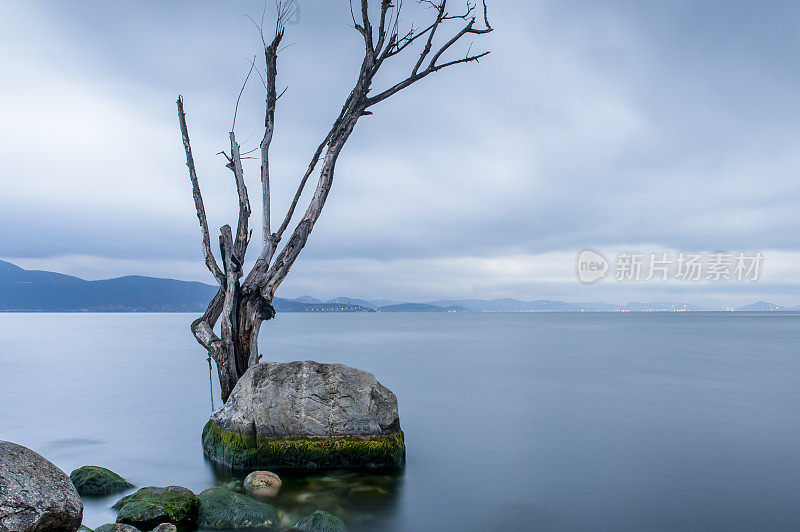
149	507
96	480
375	453
221	508
115	527
321	521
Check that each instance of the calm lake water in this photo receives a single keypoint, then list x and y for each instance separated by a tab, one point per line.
513	421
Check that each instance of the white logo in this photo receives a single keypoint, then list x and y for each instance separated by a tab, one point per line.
592	266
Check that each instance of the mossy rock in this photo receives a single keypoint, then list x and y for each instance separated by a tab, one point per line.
221	508
236	485
151	506
96	480
371	453
116	527
84	528
321	521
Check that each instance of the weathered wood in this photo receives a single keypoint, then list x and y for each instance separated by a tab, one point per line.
242	234
241	307
198	198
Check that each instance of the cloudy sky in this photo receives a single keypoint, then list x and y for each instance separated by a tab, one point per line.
642	127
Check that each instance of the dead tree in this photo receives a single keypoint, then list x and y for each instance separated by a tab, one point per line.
241	306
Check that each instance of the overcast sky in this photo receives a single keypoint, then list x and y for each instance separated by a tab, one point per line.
643	126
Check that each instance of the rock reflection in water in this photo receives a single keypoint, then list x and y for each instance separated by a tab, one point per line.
362	500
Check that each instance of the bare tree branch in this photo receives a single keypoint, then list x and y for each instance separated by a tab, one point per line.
203	327
269	241
271	59
426	50
240	245
211	263
386	5
366	27
236	107
433	64
256	275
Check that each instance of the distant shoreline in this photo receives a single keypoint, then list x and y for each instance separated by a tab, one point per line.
35	291
788	312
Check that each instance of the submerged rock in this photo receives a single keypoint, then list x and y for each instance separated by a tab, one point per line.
166	527
35	495
85	528
96	480
116	527
263	484
321	521
235	485
306	415
221	508
151	506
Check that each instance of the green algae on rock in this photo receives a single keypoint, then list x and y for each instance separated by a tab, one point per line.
370	453
96	480
221	508
321	521
151	506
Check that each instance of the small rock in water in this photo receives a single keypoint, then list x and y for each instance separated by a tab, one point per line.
151	506
321	521
116	527
263	484
35	495
85	528
166	527
221	508
235	485
96	480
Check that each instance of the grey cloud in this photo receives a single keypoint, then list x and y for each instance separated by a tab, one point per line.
591	124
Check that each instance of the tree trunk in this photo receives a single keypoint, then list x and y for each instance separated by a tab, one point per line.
237	349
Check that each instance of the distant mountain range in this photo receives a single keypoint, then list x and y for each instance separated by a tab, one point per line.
41	291
763	306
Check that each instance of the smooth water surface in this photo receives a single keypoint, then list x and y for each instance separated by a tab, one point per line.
596	421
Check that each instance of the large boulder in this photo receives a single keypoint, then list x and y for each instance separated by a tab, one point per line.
35	495
151	506
306	415
96	480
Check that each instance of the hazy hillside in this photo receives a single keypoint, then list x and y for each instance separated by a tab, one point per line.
761	306
39	291
353	301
